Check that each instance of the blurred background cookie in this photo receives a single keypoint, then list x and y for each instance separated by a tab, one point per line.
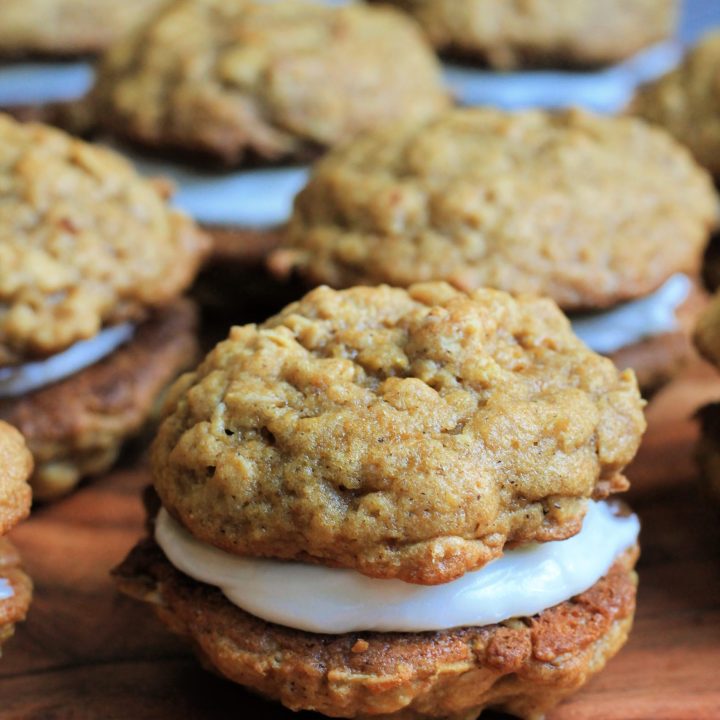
68	27
608	217
242	83
239	78
92	266
686	102
543	32
15	496
375	435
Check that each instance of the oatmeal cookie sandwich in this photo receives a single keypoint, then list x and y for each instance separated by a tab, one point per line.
15	586
47	49
555	33
68	28
246	91
92	326
336	482
609	217
686	103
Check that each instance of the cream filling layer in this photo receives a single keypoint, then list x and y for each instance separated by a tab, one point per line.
314	598
637	320
21	379
35	83
258	199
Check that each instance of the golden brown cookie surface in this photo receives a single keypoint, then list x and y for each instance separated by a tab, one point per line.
232	77
686	102
523	666
84	242
68	27
15	468
543	32
403	434
585	209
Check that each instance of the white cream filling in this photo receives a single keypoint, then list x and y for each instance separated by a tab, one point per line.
244	198
318	599
18	380
6	591
607	90
650	316
36	83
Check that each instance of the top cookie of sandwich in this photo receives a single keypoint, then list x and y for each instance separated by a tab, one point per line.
403	433
587	210
686	102
15	467
230	77
543	32
68	27
84	242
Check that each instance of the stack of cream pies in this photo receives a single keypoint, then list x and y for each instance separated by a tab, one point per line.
392	503
92	327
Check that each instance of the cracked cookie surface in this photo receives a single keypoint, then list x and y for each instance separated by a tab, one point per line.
232	78
410	434
588	210
84	242
686	102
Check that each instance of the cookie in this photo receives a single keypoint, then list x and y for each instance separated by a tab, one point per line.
552	33
293	439
233	79
76	426
523	666
68	27
686	102
16	465
15	586
532	201
92	263
334	483
658	359
84	242
548	203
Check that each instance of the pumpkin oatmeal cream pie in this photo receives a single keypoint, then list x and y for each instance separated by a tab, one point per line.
15	496
392	503
245	90
67	27
609	217
686	102
558	33
92	326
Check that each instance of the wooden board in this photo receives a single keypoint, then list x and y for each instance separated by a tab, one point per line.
86	652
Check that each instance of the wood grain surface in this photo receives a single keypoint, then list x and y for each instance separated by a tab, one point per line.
86	652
